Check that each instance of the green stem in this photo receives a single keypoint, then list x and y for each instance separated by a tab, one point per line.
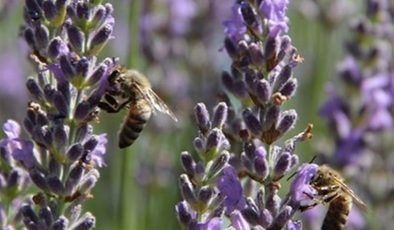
124	196
133	54
126	157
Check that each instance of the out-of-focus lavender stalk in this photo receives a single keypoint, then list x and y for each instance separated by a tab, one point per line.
244	185
360	112
330	13
62	154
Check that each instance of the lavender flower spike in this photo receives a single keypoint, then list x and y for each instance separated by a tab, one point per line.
62	155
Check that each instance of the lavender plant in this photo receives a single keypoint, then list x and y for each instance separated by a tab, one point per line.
50	174
238	176
360	112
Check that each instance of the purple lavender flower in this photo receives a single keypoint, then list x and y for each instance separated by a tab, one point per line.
300	189
19	149
62	151
275	12
229	185
238	222
235	27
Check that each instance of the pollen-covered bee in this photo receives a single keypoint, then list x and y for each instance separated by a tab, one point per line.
131	89
332	190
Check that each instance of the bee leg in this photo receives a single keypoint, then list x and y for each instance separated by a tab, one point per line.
327	189
307	207
111	100
330	197
107	107
110	109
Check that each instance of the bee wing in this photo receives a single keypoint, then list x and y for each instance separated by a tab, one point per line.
349	191
156	102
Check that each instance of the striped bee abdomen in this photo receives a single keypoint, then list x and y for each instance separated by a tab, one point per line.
134	122
338	212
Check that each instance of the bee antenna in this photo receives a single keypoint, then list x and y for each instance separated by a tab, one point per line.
294	173
313	159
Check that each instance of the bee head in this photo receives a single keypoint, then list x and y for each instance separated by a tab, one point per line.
113	76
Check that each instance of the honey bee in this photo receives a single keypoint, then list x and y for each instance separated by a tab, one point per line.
332	190
131	89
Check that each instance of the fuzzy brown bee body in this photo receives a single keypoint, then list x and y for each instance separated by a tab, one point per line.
332	190
132	90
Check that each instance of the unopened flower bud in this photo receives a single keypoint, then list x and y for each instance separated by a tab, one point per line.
28	213
45	215
183	213
75	152
282	165
60	103
28	34
34	88
227	81
260	198
49	9
41	37
82	111
73	179
55	185
219	115
82	132
33	7
248	14
252	122
256	53
73	212
273	203
263	91
88	182
230	47
270	48
76	37
283	77
214	140
97	74
198	145
91	143
100	39
202	117
271	117
41	118
219	163
54	167
287	121
57	47
88	221
60	224
99	16
250	81
261	167
205	195
250	215
289	88
60	136
187	190
188	163
282	218
83	11
266	218
14	178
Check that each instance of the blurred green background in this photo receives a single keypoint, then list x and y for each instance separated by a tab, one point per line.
138	189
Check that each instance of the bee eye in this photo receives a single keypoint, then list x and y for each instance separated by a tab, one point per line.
114	74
